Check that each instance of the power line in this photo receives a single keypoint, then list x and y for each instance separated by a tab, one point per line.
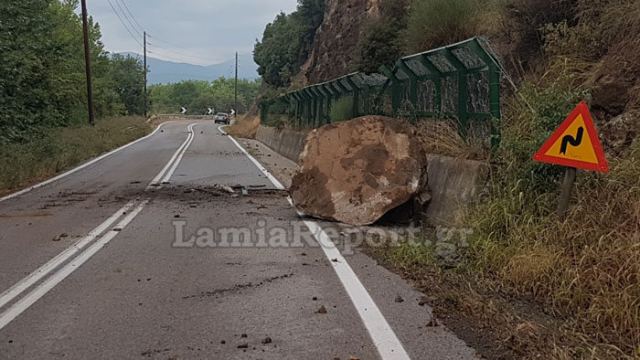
181	55
177	57
123	23
126	17
183	51
131	15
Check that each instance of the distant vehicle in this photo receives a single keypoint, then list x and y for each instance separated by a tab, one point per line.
222	118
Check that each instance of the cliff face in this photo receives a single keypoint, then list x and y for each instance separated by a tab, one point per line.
336	40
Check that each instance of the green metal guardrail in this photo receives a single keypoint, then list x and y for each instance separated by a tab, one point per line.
459	81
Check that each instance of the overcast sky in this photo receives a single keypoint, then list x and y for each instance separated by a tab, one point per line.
195	31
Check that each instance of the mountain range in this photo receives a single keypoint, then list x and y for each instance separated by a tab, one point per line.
163	71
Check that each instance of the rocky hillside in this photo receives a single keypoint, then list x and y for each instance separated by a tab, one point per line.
334	48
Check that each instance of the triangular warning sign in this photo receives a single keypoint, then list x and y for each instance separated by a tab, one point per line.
575	143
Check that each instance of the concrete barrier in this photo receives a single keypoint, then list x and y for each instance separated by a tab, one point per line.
454	183
286	142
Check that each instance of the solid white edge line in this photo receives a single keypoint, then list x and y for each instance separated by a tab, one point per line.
23	304
169	174
273	180
384	338
83	166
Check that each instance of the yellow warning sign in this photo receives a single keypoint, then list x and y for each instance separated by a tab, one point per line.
575	143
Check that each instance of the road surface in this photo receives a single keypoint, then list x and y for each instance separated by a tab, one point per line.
143	254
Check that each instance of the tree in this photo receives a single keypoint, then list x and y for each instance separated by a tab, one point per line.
127	75
383	40
286	42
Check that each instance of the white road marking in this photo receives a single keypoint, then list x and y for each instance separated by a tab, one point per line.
39	291
83	166
158	180
23	304
171	171
384	338
45	269
266	173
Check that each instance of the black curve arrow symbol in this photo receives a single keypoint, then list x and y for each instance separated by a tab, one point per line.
574	141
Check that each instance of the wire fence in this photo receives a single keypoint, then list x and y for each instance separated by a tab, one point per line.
460	81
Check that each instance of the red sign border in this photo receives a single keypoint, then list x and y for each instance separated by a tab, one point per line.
601	166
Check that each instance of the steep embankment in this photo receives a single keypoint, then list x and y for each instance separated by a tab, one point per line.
334	50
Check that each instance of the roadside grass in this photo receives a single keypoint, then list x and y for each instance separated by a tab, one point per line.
546	288
57	149
442	137
245	127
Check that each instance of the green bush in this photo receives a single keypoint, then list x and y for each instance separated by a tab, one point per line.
382	41
342	109
434	23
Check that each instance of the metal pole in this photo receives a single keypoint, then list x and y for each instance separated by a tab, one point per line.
236	87
87	59
145	75
565	194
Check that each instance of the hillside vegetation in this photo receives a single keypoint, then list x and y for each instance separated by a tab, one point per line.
547	288
198	96
43	102
42	70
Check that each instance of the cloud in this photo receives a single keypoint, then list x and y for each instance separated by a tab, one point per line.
193	31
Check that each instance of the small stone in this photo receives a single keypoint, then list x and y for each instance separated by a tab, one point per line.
425	301
433	323
243	336
243	346
223	342
315	298
399	299
322	310
267	340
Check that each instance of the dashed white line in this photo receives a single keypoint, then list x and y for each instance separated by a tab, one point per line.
384	338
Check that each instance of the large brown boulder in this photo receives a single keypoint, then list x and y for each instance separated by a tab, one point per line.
355	172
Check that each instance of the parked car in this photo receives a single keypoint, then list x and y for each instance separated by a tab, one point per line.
222	118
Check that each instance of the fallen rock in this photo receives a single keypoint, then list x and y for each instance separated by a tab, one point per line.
357	171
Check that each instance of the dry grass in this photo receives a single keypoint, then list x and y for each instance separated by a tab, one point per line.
442	137
245	127
56	150
584	270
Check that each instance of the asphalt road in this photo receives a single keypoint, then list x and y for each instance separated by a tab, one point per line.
147	254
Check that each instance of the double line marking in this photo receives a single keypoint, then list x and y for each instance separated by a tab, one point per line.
126	215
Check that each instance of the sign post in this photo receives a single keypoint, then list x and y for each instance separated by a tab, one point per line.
575	144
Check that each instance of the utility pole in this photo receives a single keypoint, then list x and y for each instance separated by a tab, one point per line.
87	59
145	74
236	96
